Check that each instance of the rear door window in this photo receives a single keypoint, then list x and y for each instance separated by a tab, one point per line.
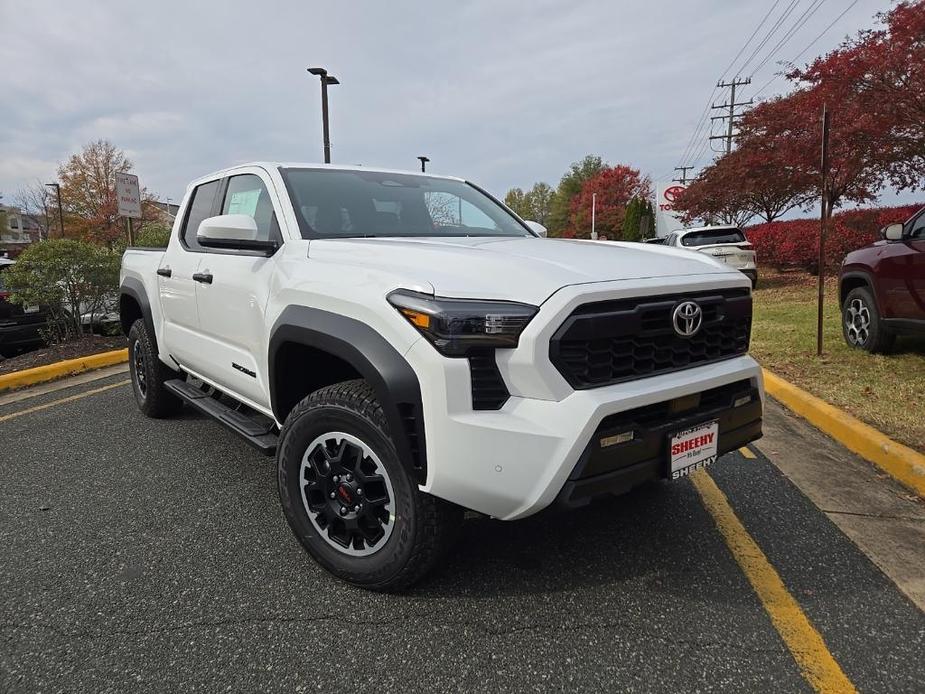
200	208
708	237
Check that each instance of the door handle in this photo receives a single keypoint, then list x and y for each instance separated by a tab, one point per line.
204	277
164	271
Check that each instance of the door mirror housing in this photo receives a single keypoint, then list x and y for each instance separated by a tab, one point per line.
892	232
537	228
237	232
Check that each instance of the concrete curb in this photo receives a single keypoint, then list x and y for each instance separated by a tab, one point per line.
68	367
899	461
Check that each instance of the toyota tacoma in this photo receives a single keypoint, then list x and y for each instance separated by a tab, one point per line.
408	348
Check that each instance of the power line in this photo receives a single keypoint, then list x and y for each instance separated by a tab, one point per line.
767	37
699	128
810	45
797	25
749	39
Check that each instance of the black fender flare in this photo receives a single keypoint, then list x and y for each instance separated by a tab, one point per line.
868	280
393	380
132	287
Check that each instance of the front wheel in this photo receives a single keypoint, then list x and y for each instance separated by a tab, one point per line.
861	324
349	499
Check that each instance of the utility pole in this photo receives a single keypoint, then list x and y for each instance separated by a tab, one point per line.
732	106
424	161
683	179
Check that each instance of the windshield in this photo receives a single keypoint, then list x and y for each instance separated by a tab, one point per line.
343	204
710	236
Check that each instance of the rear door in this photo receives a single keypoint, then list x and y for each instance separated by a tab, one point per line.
232	306
176	286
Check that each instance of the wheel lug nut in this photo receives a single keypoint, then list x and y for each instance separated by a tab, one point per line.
333	495
343	511
356	509
360	491
335	479
350	478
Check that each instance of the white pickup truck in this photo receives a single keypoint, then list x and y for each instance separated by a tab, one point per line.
409	348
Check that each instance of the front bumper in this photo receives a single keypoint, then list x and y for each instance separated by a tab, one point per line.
513	462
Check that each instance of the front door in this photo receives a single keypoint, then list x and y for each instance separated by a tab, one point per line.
232	306
902	273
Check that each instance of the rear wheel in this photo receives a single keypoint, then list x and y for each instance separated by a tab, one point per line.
349	499
149	374
861	324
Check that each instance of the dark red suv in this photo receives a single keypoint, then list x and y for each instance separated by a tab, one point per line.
882	287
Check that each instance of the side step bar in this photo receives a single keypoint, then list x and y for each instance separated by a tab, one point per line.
259	433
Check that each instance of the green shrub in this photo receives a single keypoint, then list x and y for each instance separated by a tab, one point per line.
153	236
69	277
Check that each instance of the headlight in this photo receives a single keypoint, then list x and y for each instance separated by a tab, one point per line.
457	326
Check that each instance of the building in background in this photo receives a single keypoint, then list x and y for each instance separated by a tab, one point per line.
19	230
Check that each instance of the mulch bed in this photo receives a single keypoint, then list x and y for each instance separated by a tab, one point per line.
91	344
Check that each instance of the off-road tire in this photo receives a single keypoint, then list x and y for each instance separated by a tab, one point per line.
149	374
875	338
424	527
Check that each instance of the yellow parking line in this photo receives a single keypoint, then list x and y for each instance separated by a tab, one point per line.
747	452
805	643
71	398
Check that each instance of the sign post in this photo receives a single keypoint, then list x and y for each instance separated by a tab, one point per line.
823	222
129	198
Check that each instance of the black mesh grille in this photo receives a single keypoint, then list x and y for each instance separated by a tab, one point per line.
612	341
488	389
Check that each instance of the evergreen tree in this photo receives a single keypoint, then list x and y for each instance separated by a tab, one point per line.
631	220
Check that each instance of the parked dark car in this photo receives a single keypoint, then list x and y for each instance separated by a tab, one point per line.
882	287
20	327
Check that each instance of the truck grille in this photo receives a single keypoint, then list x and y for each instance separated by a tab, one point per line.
612	341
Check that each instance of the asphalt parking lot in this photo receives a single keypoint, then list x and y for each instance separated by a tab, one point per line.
142	555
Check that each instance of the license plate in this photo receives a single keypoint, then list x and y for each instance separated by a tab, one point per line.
693	449
30	309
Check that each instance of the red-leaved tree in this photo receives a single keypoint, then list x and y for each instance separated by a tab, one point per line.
615	186
882	73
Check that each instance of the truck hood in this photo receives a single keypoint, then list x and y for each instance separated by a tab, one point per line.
516	269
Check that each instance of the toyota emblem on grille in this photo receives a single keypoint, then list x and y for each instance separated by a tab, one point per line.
687	318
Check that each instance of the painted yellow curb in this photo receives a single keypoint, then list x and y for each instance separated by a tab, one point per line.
68	367
897	460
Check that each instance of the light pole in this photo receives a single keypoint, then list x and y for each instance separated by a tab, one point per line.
424	161
57	187
326	79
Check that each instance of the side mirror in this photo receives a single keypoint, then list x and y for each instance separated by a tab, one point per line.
892	232
233	232
537	228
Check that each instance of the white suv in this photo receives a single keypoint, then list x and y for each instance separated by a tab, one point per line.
726	243
407	348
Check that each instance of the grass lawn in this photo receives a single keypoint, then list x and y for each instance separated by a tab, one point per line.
885	391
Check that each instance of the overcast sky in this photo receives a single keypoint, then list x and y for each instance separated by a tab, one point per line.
503	93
